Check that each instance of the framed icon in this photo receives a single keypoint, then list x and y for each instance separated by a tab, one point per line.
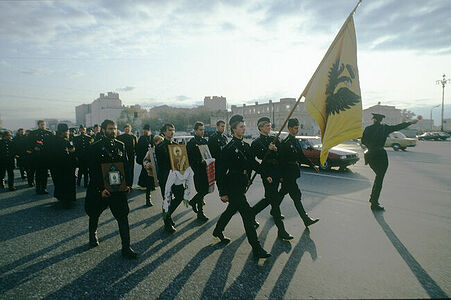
204	152
178	157
154	166
114	177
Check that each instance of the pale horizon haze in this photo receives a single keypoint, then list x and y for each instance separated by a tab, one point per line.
55	55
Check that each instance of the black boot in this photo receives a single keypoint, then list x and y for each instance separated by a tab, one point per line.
78	181
259	252
168	225
193	206
93	241
309	221
221	236
256	224
124	231
377	207
148	201
284	236
281	232
201	216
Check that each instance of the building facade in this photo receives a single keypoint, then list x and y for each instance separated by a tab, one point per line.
107	106
392	114
215	103
276	111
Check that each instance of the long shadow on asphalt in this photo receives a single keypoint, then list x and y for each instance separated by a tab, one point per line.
252	277
429	285
21	276
30	219
37	254
180	280
218	278
102	282
55	213
305	244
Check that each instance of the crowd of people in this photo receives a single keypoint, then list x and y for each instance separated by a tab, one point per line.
277	162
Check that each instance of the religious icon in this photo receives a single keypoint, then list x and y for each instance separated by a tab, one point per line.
179	158
204	152
114	177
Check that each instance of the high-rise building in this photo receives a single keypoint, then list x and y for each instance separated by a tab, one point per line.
107	106
215	103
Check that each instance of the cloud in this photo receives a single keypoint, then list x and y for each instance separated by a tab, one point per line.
126	89
76	74
36	72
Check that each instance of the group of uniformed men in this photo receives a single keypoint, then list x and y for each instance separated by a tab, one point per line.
277	162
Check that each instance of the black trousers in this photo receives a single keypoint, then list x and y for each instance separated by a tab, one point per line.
41	178
21	165
290	186
178	192
379	164
83	172
272	197
7	168
117	202
130	168
238	203
201	185
64	182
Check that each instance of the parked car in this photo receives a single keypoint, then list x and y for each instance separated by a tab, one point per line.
444	136
398	141
338	157
429	136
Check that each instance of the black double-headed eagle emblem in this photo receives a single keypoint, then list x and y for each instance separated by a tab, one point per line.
344	98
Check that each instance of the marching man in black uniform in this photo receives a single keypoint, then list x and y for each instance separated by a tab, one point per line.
374	137
37	145
7	155
200	172
164	166
63	165
129	141
233	173
218	140
144	142
291	156
20	141
265	149
82	143
98	198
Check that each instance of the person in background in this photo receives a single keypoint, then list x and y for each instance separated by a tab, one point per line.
130	142
198	165
218	140
8	153
144	142
38	145
20	141
147	164
81	143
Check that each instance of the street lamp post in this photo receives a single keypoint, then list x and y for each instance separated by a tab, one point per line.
432	124
443	82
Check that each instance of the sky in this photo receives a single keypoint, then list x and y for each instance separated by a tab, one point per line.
55	55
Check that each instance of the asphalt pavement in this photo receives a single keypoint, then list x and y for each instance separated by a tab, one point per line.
352	252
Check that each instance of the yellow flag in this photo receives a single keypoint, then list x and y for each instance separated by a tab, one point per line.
332	97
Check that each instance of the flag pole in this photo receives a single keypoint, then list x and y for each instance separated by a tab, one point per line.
307	86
